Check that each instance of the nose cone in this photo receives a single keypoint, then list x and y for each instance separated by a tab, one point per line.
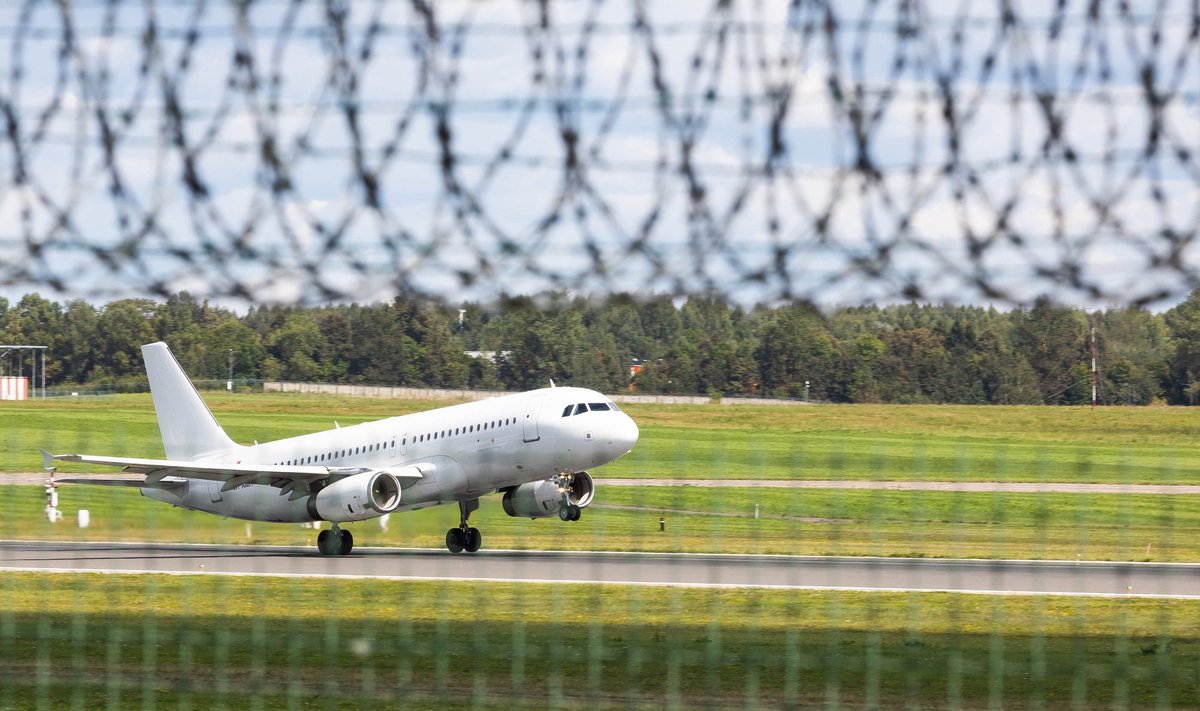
624	435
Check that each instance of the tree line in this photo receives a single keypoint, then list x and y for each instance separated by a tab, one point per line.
911	353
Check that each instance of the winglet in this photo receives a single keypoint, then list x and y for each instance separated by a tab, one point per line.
47	458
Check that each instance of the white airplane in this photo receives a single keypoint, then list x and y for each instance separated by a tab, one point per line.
535	447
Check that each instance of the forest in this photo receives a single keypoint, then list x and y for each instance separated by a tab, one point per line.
908	353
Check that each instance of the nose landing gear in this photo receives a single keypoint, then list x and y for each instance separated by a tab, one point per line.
464	538
567	511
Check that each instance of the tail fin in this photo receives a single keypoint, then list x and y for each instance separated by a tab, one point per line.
189	430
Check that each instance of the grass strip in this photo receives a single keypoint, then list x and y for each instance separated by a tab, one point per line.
816	522
886	442
244	642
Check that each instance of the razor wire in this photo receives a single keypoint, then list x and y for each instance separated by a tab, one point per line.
297	151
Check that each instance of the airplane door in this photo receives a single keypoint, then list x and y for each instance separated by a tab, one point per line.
530	421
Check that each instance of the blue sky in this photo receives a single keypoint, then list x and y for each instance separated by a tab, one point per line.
512	218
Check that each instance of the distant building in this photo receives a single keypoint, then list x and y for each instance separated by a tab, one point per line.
13	387
489	356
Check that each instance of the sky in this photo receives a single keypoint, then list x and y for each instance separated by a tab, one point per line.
305	152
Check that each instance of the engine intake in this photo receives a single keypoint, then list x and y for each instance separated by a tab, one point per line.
541	499
356	497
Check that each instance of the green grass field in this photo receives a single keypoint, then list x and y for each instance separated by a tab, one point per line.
200	641
816	522
149	641
1149	445
887	442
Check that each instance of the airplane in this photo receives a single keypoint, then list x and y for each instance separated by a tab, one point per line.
534	447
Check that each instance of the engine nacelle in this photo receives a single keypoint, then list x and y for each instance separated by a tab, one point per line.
540	499
582	489
356	497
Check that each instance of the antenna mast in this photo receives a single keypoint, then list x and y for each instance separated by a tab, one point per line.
1093	314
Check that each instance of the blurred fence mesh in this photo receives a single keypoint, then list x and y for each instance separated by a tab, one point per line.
307	152
294	151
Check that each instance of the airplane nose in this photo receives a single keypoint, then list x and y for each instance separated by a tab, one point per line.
626	435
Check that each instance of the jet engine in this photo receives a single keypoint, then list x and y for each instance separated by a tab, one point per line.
540	499
356	497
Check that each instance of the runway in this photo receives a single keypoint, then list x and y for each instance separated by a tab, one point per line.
692	570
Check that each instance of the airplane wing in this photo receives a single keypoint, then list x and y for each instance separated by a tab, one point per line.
234	475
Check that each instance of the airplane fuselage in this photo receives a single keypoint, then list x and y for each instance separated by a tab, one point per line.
461	452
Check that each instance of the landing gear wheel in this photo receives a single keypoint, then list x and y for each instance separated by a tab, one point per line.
474	539
327	542
464	538
345	542
564	512
576	512
454	540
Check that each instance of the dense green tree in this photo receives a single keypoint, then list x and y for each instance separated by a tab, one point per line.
295	350
1134	346
1052	339
122	329
702	345
795	347
1183	323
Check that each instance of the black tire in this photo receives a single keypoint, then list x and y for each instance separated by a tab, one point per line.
454	541
345	542
576	512
474	540
323	542
564	513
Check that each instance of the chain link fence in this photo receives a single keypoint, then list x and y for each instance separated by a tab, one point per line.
868	557
292	151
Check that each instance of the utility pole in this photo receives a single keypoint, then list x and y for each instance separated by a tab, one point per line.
1093	361
229	383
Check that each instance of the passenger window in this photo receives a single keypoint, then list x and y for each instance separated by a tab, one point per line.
580	409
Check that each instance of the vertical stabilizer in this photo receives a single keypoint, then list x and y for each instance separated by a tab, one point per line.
189	430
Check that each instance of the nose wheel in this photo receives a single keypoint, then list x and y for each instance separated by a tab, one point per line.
567	511
335	541
464	538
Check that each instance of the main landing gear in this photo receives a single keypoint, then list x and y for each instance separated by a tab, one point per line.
569	512
464	538
335	541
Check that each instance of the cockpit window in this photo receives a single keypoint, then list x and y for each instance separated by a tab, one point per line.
613	406
580	409
567	412
597	406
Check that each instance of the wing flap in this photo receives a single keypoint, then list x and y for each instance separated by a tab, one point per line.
101	481
156	469
233	475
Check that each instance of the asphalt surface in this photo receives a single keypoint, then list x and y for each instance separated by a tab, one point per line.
1021	577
